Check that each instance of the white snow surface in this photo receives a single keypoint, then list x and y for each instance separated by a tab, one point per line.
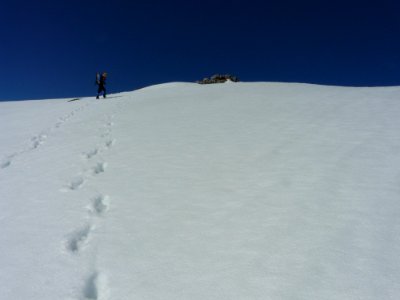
186	191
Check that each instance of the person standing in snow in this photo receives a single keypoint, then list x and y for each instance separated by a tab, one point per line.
101	82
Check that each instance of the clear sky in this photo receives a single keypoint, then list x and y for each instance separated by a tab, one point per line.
54	48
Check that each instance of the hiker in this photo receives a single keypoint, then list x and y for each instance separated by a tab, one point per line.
101	82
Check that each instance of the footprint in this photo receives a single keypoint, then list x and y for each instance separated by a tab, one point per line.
79	239
99	168
109	143
38	140
35	144
6	163
76	183
100	204
91	153
106	133
96	287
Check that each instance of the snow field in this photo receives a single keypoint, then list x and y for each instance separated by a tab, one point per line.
182	191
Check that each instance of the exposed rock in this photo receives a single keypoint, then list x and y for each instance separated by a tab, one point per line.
218	78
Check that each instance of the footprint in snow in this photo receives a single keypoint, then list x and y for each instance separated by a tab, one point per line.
91	153
76	183
109	143
106	133
99	168
100	204
79	239
96	287
38	140
6	163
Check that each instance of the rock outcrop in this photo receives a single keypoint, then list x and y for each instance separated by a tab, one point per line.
218	78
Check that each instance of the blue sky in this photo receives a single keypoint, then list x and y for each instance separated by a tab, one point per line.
52	49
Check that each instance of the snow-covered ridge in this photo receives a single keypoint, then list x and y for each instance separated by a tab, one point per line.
186	191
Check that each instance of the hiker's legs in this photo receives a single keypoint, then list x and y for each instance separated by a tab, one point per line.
99	90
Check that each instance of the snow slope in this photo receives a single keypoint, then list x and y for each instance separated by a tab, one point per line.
182	191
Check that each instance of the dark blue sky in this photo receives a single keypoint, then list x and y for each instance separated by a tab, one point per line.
54	48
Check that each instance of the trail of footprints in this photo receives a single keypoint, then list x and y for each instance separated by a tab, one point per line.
38	140
95	287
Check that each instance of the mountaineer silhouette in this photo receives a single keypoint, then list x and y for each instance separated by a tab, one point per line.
101	82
